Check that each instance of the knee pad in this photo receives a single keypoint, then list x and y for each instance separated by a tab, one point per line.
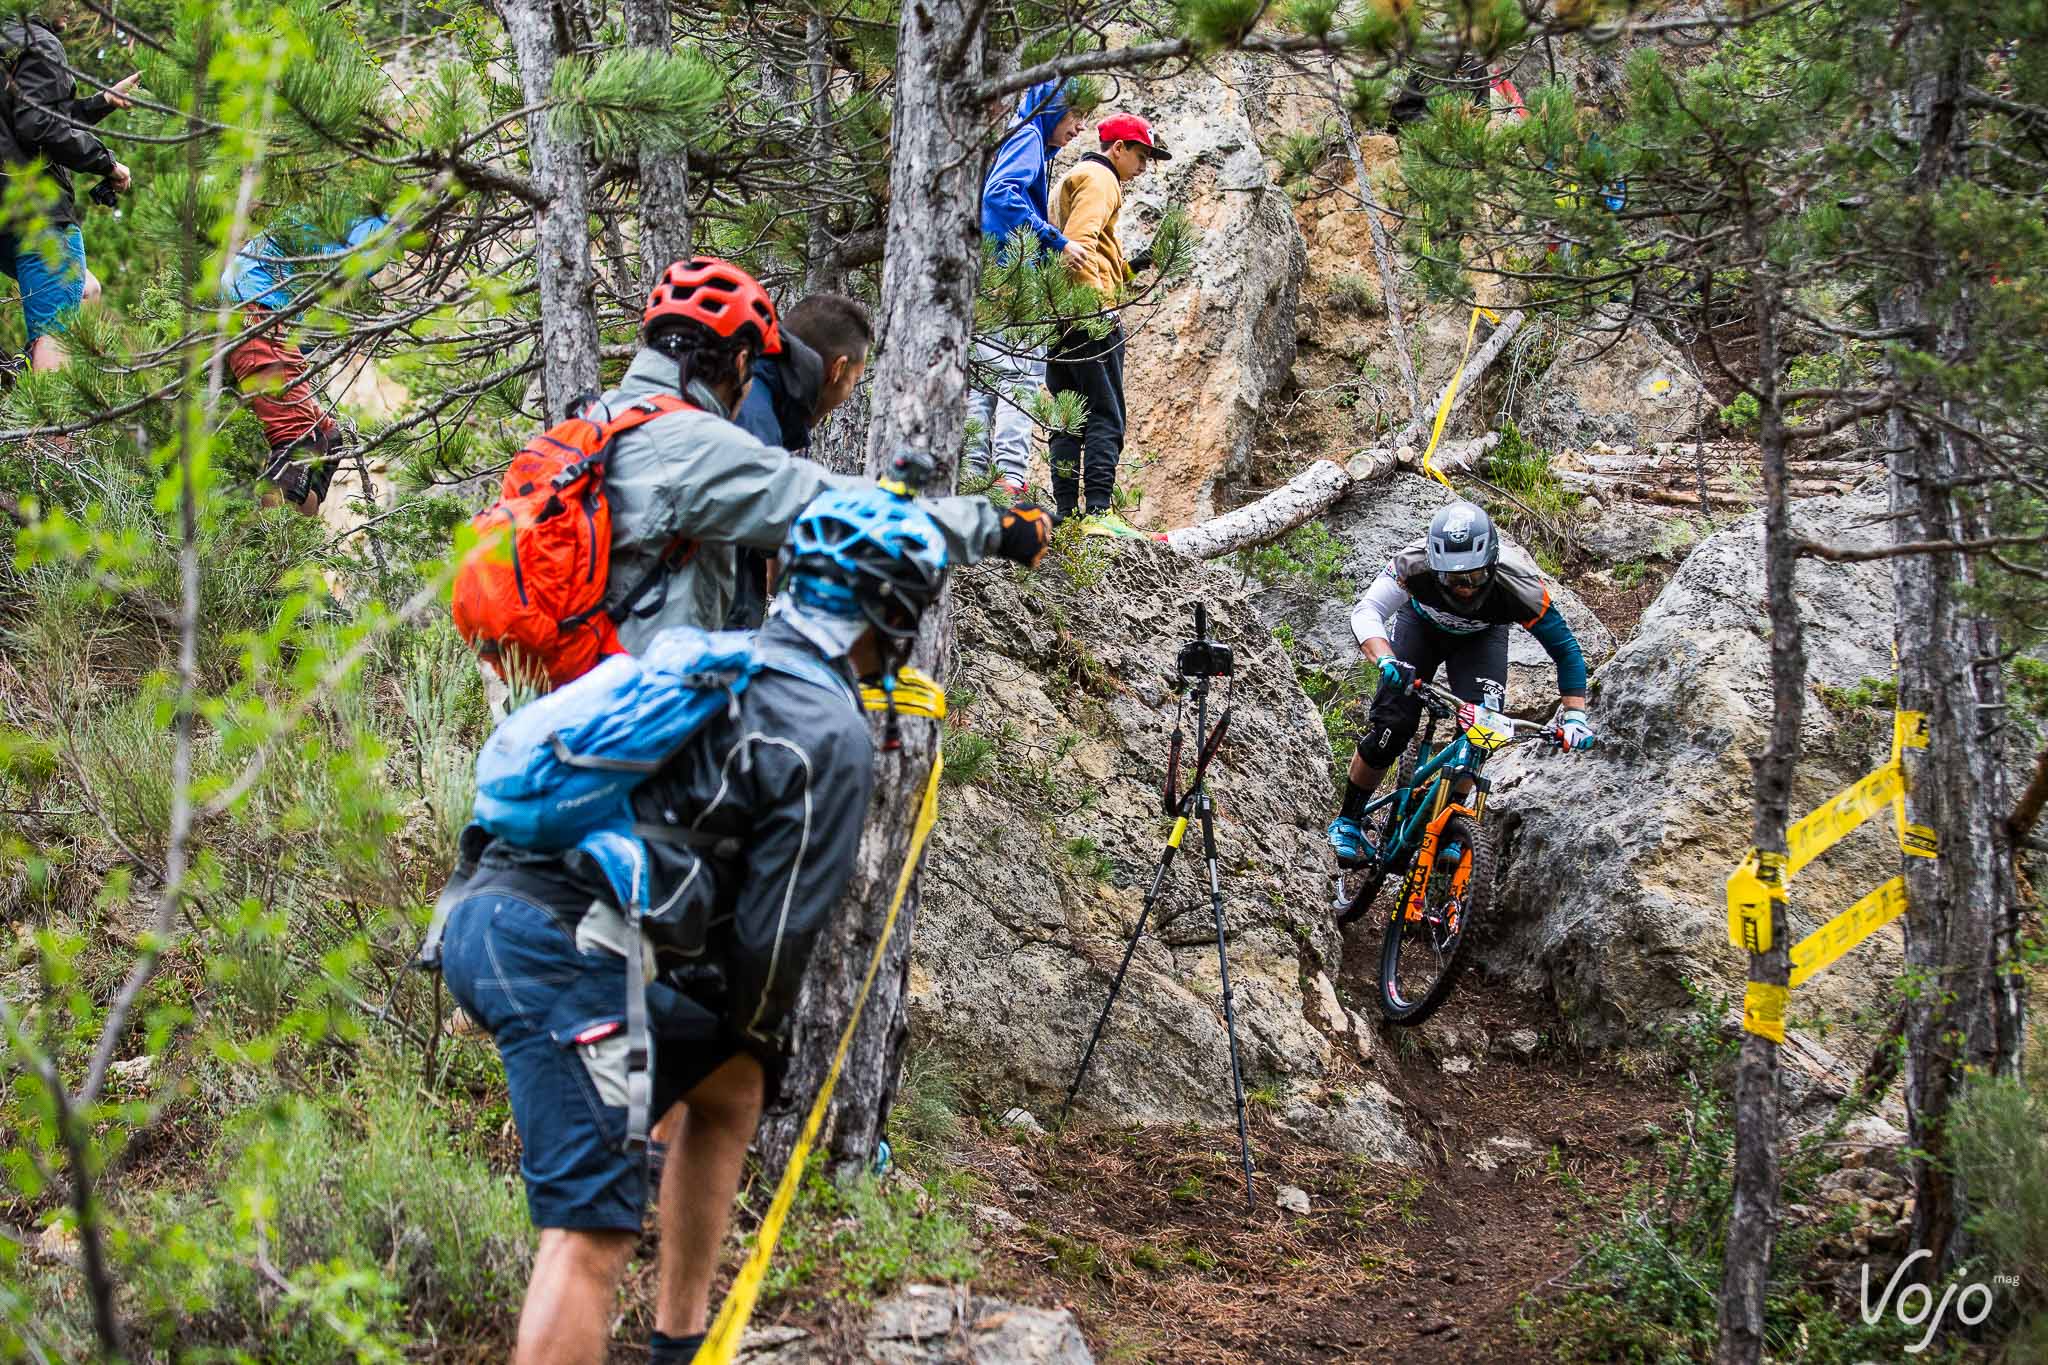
1382	744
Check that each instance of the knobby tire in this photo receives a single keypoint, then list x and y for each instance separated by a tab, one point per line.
1478	898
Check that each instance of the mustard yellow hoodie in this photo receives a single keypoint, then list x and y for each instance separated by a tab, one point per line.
1085	206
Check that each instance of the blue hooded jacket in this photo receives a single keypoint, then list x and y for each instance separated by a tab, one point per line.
1018	189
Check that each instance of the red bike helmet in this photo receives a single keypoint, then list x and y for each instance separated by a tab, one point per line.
716	294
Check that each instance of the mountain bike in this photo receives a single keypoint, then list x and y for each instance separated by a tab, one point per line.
1428	924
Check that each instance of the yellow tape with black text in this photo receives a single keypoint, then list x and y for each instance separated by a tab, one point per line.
1761	879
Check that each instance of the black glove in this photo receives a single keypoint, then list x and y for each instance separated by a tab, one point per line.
1027	531
1396	673
1141	261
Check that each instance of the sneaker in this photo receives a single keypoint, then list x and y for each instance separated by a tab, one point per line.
1108	523
1451	851
1348	841
1013	487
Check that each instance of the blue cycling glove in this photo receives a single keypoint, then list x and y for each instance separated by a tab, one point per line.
1573	731
1395	672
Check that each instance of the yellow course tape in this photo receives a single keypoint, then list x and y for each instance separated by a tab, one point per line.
1909	731
1820	831
1820	949
1443	408
1763	1010
722	1343
1758	881
916	695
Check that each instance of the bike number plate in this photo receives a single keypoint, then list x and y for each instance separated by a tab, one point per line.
1489	731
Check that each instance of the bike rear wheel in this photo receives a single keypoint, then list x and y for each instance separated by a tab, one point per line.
1421	960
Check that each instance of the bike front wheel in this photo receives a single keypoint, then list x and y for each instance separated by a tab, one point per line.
1421	957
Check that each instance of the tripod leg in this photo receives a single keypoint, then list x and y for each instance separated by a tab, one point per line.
1244	1141
1180	828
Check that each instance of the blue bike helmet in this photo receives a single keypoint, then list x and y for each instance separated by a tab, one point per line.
865	552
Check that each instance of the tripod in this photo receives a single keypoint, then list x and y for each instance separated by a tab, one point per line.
1200	661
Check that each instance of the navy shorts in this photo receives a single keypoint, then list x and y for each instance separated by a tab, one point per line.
558	1013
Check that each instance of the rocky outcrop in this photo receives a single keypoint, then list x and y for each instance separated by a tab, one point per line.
926	1324
1050	832
1374	521
1204	356
1633	388
1611	893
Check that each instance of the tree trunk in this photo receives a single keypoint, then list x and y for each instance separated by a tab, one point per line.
664	176
1382	251
1280	511
919	401
822	272
539	32
1963	1014
1753	1214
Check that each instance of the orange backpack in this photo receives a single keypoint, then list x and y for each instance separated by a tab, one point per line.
529	596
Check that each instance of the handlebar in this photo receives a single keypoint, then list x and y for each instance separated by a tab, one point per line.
1446	704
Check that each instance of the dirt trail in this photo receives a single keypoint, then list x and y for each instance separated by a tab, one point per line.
1144	1233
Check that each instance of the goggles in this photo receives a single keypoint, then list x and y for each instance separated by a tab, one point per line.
1472	580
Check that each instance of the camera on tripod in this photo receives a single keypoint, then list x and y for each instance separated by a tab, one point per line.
1203	657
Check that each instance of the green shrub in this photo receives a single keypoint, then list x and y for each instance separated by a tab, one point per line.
2000	1136
321	1232
1648	1287
968	757
1357	292
860	1238
1310	557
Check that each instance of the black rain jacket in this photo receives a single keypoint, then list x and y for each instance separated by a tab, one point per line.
45	118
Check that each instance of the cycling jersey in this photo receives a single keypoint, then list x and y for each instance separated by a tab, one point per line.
1516	596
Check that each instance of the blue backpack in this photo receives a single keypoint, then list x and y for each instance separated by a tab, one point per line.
559	774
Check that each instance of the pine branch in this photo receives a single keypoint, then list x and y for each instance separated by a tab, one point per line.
633	101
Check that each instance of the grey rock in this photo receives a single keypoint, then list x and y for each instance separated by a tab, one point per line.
1000	1219
1292	1198
1631	392
1521	1043
926	1324
1456	1066
1023	1120
1610	893
1869	1141
1506	1149
1379	518
775	1346
1017	937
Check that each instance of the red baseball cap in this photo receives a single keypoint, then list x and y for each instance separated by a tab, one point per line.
1131	128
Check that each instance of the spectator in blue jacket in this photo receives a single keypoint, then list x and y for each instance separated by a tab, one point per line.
825	341
1015	195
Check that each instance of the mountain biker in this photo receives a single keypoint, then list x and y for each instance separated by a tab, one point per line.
688	488
1448	600
752	829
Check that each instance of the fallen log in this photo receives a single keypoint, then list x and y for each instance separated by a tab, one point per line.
1301	498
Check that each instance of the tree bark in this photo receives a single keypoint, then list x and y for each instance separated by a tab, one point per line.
1753	1214
1382	252
539	32
1963	1014
822	272
664	176
919	401
1299	500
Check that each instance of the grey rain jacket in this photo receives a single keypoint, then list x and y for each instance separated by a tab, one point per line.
697	476
786	784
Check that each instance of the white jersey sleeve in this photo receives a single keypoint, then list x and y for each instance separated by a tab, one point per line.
1372	618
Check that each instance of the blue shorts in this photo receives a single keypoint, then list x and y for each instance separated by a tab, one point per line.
558	1014
50	268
